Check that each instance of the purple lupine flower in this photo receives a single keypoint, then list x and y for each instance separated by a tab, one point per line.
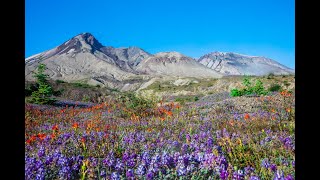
48	160
190	168
199	157
146	157
289	177
188	137
141	170
254	177
279	175
195	137
265	163
225	133
238	175
181	170
103	174
293	163
40	174
273	167
248	170
115	176
41	152
223	174
150	175
184	148
210	142
119	165
65	172
109	160
130	174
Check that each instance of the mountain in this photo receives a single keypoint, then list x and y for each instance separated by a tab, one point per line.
175	64
229	63
83	57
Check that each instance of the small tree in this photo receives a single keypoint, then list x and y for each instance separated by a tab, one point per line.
44	92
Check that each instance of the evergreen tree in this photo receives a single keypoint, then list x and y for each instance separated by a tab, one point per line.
44	92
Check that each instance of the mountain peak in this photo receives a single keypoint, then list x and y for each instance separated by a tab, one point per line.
89	39
171	54
230	63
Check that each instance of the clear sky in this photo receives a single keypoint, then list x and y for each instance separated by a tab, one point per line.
194	28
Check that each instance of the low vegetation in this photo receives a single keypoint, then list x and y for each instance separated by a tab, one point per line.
249	89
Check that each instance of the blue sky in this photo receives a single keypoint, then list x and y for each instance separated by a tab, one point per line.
194	28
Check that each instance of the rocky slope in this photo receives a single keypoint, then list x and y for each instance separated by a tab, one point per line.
237	64
175	64
84	58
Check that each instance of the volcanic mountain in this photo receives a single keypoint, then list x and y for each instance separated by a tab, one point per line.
175	64
83	57
229	63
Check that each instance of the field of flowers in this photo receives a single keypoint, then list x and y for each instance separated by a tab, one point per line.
170	141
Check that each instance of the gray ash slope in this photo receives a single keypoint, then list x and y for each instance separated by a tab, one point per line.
175	64
83	57
229	63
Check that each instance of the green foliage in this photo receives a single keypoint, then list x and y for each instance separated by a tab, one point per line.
270	76
60	81
28	91
286	83
85	98
275	87
257	89
196	98
235	92
44	92
58	92
135	104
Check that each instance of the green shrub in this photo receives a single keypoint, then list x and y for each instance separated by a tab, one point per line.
275	87
135	104
270	76
28	91
196	98
286	83
257	89
60	81
44	92
235	93
85	98
58	92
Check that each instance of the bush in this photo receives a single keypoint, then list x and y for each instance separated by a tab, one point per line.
196	98
235	93
135	104
44	92
270	76
257	89
58	92
275	87
286	83
28	91
60	81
